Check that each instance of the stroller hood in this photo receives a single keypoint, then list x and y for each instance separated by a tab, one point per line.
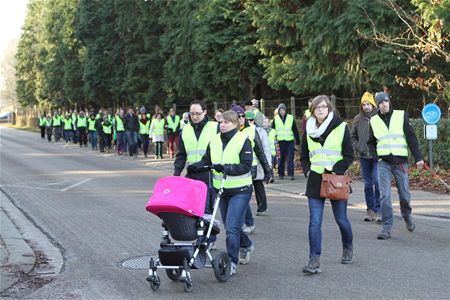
179	195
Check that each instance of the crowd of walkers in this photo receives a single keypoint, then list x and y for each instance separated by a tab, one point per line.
247	146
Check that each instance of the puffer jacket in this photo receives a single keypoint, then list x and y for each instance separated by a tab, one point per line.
360	134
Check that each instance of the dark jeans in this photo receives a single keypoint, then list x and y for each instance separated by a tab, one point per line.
68	136
93	139
57	133
132	142
120	142
49	133
369	168
144	140
42	128
316	207
82	136
233	210
286	156
158	150
107	139
101	141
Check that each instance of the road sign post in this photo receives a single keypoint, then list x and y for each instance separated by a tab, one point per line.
431	113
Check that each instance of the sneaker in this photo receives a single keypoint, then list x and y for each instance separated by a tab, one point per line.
213	246
370	216
262	213
291	178
244	255
410	224
249	229
378	220
233	269
347	256
313	266
384	235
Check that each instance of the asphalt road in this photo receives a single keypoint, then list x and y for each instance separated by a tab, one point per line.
93	206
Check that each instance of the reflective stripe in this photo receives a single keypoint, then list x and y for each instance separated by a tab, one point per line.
229	178
390	140
324	151
284	130
323	163
391	136
392	147
196	152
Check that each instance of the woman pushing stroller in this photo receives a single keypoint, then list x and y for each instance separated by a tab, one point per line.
230	153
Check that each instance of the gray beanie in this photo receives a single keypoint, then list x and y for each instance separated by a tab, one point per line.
281	106
381	96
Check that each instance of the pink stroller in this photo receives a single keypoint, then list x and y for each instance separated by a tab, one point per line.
186	240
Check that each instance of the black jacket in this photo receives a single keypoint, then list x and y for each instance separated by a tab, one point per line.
411	139
315	179
131	123
246	159
360	134
99	126
294	128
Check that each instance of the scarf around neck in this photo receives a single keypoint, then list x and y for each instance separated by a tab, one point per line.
311	127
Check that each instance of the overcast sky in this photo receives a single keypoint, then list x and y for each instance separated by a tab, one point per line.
12	15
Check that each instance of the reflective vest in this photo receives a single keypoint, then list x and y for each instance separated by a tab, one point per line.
91	124
390	140
67	123
107	129
158	127
284	130
272	135
57	121
173	124
42	121
146	115
119	124
81	122
307	113
195	149
250	131
144	128
229	155
324	157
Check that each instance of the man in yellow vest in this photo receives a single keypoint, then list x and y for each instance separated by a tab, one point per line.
42	122
173	128
286	134
81	127
390	136
57	125
192	143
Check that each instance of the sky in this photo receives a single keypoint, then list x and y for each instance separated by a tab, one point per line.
12	16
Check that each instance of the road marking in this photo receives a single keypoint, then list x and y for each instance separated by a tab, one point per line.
76	184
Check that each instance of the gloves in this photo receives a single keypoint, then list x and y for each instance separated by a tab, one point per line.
191	169
219	168
268	176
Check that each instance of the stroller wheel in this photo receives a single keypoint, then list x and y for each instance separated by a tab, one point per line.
173	274
154	282
222	266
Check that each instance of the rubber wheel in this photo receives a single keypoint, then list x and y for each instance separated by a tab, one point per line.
173	274
154	283
187	286
222	266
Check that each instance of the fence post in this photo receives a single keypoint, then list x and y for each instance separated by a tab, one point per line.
215	106
293	106
262	106
333	100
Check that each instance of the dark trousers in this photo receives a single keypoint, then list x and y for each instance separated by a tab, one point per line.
49	133
158	150
42	128
260	194
101	141
57	133
144	140
132	142
286	156
82	136
68	136
107	140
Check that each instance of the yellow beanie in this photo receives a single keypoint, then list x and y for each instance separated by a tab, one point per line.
368	97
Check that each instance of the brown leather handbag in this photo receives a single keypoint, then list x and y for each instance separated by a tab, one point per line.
335	187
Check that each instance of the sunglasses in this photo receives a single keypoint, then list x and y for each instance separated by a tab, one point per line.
251	120
241	116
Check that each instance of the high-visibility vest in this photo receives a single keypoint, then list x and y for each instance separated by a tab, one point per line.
324	157
229	155
390	140
91	123
173	124
195	149
144	128
272	136
81	122
56	121
107	129
158	127
284	130
119	124
146	115
42	121
250	131
307	113
67	124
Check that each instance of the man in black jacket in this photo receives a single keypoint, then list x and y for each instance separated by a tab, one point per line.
131	125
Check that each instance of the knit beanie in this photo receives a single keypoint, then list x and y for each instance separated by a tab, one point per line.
281	106
381	96
368	97
237	109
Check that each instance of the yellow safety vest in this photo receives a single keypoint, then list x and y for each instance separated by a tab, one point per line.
57	121
42	121
284	130
67	123
250	131
144	128
158	127
91	124
171	124
229	155
272	136
119	124
195	149
307	113
107	129
390	140
81	122
324	157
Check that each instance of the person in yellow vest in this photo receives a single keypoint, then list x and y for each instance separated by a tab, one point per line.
326	148
306	116
193	141
57	125
119	130
92	131
107	133
184	121
286	134
48	127
390	136
68	128
41	123
230	153
82	127
144	131
218	115
173	129
157	134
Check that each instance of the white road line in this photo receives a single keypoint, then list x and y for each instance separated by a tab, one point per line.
76	184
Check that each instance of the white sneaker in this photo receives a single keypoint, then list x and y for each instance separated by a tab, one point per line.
249	229
244	255
233	269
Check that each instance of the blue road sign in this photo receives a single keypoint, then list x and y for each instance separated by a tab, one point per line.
431	113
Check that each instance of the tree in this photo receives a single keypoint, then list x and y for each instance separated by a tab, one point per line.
7	70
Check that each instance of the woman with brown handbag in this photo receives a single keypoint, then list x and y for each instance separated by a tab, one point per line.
326	149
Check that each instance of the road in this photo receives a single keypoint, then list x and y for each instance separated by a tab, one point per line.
93	207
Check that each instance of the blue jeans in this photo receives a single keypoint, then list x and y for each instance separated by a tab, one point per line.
233	209
369	169
286	155
93	139
316	206
249	220
68	136
400	173
120	141
132	142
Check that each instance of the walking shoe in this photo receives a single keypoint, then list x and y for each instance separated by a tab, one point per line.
347	256
249	229
262	213
370	216
384	235
244	255
378	220
313	266
233	269
291	178
410	224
